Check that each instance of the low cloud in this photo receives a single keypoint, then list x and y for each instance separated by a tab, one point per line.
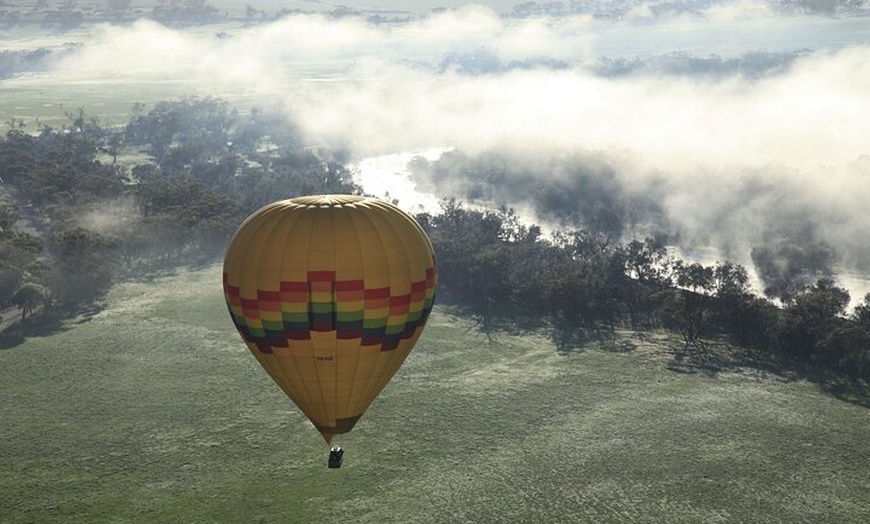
739	10
799	125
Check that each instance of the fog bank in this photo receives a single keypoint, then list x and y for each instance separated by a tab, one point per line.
751	120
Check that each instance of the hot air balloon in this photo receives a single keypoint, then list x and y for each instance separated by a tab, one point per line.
330	293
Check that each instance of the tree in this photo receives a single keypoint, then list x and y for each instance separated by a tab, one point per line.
861	314
19	252
695	277
683	311
59	167
184	132
87	264
730	280
181	212
459	235
595	265
30	296
847	348
735	310
184	12
811	317
688	307
648	263
648	269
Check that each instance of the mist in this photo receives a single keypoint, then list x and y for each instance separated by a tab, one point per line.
747	121
538	82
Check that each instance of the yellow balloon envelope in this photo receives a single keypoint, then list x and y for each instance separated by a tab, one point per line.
330	293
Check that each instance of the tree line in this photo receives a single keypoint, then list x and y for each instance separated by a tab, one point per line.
590	191
84	207
578	284
66	15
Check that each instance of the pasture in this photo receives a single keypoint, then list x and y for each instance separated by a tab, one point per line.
153	410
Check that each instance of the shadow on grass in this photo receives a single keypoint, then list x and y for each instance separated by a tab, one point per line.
569	339
842	387
708	358
702	358
46	323
147	271
850	390
711	359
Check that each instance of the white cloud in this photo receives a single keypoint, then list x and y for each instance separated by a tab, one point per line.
355	84
350	81
817	113
740	9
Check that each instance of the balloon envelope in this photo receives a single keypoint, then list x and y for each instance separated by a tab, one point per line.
330	293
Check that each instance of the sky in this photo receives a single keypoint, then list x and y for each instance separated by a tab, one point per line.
710	100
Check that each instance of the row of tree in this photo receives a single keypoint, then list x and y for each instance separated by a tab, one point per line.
590	191
580	284
620	9
86	206
65	15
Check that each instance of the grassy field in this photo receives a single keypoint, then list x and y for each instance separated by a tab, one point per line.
153	411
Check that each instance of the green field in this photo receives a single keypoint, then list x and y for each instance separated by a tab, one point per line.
154	411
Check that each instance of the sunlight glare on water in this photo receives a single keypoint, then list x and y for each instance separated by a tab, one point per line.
387	176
